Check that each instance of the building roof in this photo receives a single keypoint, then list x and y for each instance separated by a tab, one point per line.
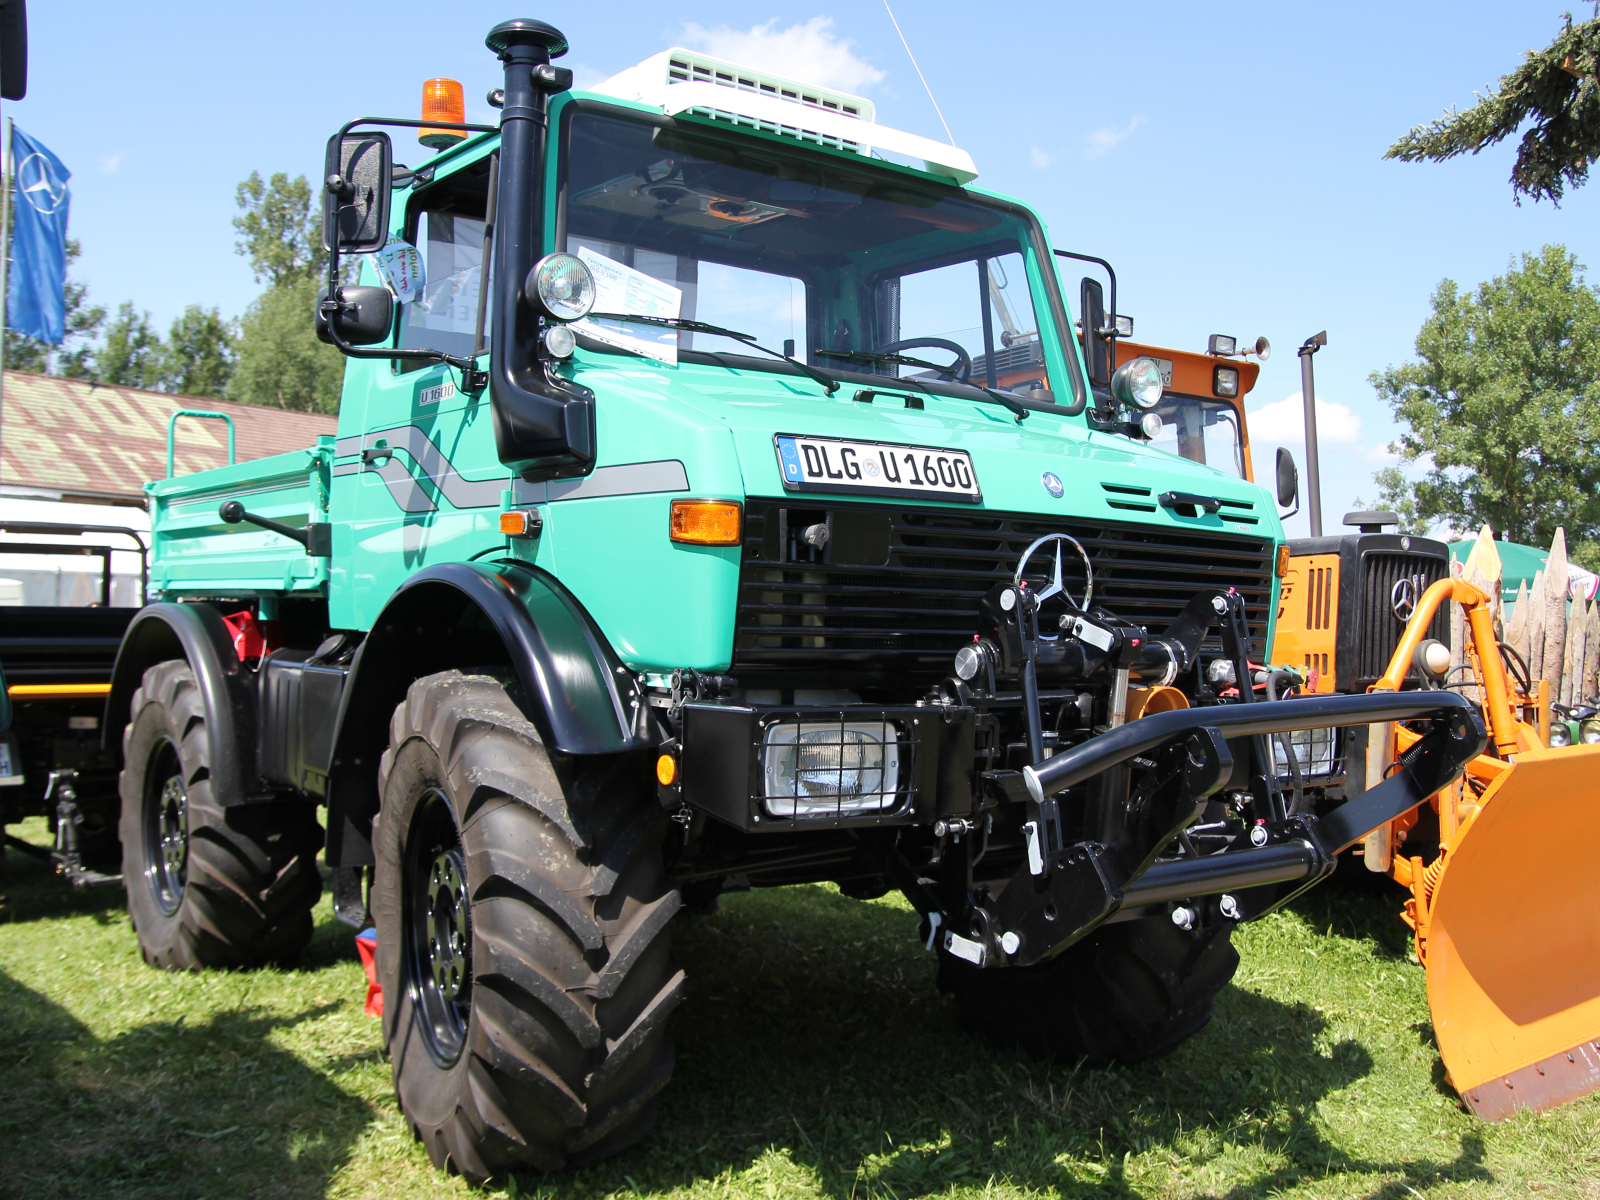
96	441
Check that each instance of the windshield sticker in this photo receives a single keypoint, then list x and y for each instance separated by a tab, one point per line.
620	288
399	265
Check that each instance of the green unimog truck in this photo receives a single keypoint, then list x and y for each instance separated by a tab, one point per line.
598	606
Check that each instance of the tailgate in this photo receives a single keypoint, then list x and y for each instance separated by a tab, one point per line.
195	552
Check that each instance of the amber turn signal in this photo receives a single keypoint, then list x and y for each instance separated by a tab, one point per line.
706	522
442	100
1283	560
666	770
520	524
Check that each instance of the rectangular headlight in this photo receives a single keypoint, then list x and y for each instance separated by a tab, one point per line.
1225	381
826	768
1313	748
1221	345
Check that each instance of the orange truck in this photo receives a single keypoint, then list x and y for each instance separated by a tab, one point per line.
1513	985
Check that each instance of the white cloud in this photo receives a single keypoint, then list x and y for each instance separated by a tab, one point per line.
1102	140
1283	423
1040	158
110	162
811	53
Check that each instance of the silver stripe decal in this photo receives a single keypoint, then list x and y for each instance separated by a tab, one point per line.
625	479
435	466
407	492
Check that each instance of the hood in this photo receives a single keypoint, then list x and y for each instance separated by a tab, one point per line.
1102	475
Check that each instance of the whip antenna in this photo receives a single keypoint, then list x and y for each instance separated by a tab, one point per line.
950	137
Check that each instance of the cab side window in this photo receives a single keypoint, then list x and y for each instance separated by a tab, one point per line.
446	222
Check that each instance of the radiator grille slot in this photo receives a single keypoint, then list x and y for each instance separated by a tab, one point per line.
1379	627
902	618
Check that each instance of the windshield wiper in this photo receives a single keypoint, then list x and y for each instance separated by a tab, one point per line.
691	326
876	356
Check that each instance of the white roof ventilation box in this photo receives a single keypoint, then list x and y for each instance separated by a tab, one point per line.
686	81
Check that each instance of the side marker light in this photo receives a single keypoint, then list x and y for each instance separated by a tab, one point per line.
666	770
706	522
521	524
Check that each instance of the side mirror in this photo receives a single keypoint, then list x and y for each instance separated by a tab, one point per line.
359	171
1288	479
1092	311
364	315
13	49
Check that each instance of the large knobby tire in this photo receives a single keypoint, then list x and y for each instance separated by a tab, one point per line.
1125	993
522	911
208	886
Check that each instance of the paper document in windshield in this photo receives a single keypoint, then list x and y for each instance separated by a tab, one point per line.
620	288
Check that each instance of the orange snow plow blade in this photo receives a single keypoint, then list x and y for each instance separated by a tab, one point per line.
1513	940
1507	925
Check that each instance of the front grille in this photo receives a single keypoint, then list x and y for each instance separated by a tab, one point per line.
1378	627
900	613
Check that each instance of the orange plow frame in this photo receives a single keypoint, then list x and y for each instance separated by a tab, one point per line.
1509	936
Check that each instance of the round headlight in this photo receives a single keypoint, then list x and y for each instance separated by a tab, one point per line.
560	286
1590	731
559	341
1560	735
1138	382
1151	424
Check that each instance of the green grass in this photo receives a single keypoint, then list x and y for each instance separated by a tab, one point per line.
815	1060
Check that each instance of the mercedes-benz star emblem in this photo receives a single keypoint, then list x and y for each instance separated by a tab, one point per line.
38	184
1403	598
1052	484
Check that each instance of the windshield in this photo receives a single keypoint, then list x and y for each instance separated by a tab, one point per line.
1203	431
829	262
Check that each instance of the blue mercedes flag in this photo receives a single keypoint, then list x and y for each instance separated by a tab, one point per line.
36	302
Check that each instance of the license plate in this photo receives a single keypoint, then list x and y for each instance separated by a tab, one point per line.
811	464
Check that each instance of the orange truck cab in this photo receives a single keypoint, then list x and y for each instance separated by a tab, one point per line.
1202	407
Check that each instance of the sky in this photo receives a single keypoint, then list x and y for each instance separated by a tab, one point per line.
1227	159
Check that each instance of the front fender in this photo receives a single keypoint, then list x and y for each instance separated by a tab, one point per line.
580	696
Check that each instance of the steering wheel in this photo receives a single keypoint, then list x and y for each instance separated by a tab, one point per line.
960	370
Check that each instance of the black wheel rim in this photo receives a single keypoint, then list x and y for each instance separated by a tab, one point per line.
166	829
438	929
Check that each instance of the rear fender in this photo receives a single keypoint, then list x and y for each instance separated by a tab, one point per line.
196	633
464	616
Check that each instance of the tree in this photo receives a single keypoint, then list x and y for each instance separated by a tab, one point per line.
200	352
1557	89
280	361
279	232
74	358
1503	405
131	354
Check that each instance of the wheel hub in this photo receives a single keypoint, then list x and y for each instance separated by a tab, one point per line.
174	830
166	830
449	946
437	920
